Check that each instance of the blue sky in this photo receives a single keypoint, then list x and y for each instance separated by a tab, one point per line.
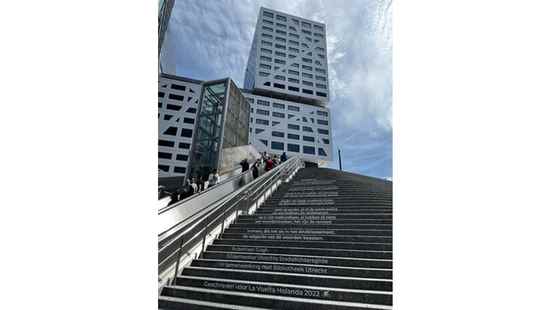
211	40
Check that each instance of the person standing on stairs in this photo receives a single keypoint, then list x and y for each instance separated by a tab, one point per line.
269	164
255	170
213	178
194	186
283	157
245	165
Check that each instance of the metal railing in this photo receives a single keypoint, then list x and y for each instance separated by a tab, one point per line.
188	238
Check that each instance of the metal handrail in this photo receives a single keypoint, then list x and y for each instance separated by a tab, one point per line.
198	230
178	203
213	208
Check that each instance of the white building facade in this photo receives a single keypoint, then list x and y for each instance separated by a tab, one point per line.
288	57
286	85
178	100
278	126
286	82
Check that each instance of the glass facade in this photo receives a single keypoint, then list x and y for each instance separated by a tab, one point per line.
222	122
209	129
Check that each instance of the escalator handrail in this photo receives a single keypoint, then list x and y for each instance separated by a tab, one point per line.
198	227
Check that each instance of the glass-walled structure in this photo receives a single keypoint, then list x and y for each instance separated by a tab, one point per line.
236	126
222	122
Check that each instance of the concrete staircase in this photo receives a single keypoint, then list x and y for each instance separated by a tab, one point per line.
323	241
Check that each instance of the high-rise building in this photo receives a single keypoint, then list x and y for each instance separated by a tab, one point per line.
288	58
164	14
286	82
286	90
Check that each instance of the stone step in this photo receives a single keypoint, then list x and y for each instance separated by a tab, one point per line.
280	289
382	285
330	194
309	244
326	203
321	232
168	302
341	198
311	226
354	272
305	259
354	208
328	210
334	216
339	191
301	237
303	251
260	300
322	220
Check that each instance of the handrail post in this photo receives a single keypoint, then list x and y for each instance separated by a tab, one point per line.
203	241
178	260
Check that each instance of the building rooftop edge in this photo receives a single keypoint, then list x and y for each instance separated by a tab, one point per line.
186	79
181	78
298	17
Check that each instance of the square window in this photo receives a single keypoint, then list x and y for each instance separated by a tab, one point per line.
180	169
293	126
165	143
181	157
186	133
308	150
277	145
293	147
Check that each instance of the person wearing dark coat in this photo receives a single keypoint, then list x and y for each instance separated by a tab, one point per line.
245	165
283	157
255	171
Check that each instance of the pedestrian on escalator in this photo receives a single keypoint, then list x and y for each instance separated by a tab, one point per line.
283	157
179	192
194	186
188	190
255	170
174	197
245	165
269	164
213	178
200	184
